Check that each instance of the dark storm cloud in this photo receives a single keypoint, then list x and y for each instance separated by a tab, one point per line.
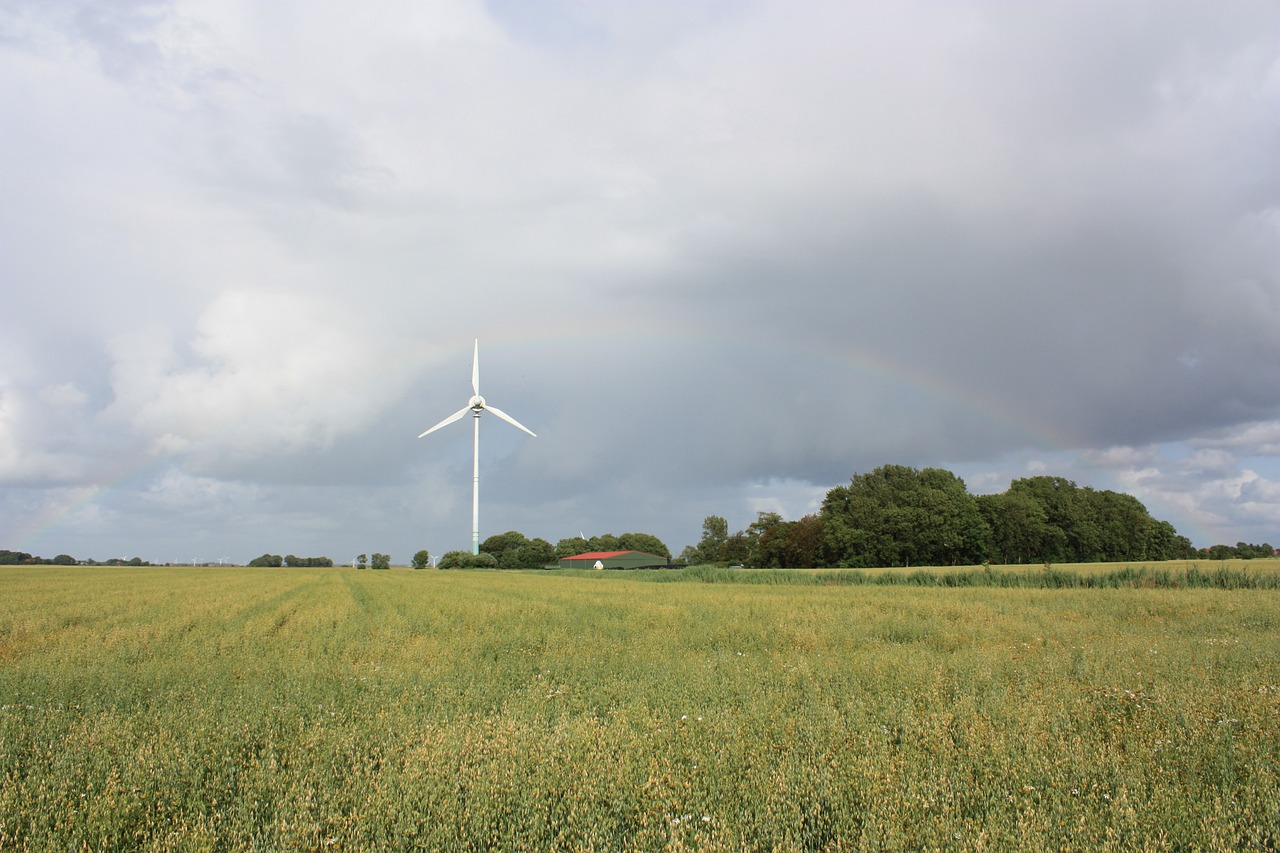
720	258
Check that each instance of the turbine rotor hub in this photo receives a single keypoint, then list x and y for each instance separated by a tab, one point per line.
477	403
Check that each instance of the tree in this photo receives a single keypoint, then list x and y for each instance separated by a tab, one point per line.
467	560
572	547
273	561
452	559
1020	530
803	548
645	542
512	550
715	533
536	554
1165	542
380	561
736	549
1067	530
422	559
505	548
764	541
1051	519
360	561
64	560
786	544
900	516
308	562
605	542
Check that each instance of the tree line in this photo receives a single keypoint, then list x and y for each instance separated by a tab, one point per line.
1239	551
892	516
22	558
275	561
900	516
513	550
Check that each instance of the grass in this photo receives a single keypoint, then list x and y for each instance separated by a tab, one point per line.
329	709
1257	574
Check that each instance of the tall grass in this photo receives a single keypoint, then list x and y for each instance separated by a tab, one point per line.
1161	576
329	709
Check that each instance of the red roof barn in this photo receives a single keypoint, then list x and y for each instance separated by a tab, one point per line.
614	560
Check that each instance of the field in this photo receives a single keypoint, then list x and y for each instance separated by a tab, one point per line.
329	709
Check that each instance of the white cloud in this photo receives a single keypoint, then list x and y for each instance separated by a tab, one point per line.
1209	463
45	435
266	373
1250	439
64	396
1210	493
1119	457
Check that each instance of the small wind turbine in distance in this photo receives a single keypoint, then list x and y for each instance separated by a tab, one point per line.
476	406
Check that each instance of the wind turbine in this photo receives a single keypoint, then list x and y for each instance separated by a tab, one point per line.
477	405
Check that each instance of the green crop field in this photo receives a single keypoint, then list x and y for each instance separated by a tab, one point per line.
329	709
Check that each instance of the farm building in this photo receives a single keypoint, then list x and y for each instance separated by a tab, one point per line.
614	560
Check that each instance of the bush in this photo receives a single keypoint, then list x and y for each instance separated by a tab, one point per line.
467	560
308	562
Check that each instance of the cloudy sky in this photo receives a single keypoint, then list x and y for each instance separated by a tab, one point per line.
719	255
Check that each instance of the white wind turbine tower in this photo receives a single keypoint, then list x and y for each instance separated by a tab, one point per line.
477	405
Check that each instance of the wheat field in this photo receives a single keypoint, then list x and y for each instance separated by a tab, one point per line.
331	709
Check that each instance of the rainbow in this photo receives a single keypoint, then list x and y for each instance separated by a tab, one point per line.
842	357
517	341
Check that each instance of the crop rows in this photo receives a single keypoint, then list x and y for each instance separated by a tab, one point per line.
229	709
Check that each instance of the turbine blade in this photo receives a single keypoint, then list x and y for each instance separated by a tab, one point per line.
448	420
475	369
509	419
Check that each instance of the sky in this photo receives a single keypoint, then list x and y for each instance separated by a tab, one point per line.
720	256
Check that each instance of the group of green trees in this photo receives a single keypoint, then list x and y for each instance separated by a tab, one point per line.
901	516
768	542
513	550
893	516
1239	551
643	542
467	560
22	558
275	561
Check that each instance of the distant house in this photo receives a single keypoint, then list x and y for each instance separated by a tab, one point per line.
614	560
